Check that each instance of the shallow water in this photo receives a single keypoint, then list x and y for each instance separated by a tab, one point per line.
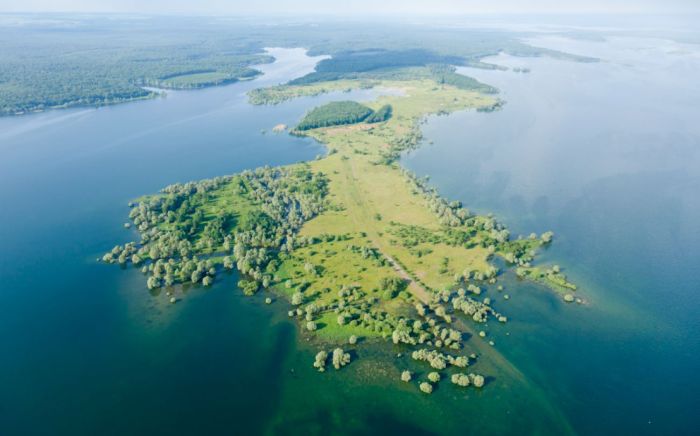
88	350
607	155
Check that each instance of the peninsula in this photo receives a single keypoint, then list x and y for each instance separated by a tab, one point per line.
360	247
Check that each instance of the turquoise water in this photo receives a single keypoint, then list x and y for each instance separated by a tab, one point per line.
606	155
85	348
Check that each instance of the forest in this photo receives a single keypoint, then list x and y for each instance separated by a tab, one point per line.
337	113
96	60
99	62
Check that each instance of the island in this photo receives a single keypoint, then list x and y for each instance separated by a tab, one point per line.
359	248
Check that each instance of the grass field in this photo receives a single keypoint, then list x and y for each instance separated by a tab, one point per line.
368	197
378	255
378	246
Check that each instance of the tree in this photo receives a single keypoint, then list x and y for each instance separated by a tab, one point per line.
434	377
320	360
297	298
426	387
340	358
477	380
406	376
460	379
547	237
153	282
228	262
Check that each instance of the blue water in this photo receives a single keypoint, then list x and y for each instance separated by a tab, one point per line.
604	154
86	349
607	155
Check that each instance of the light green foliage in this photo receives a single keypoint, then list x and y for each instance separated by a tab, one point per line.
477	380
340	358
547	237
426	388
223	215
406	376
551	277
460	379
439	360
297	298
312	233
320	360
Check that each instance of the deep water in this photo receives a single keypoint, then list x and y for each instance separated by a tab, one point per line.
607	155
604	154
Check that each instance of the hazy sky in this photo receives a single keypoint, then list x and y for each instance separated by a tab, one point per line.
232	7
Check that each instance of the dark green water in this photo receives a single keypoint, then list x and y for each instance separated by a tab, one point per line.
86	349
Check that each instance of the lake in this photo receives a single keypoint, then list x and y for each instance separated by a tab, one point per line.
604	154
607	155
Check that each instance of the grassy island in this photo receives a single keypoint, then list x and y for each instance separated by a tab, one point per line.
358	246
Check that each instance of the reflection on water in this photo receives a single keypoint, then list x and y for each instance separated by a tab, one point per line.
604	154
608	156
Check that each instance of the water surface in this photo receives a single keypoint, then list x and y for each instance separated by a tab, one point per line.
607	155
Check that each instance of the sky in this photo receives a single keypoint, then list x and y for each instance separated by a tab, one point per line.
352	7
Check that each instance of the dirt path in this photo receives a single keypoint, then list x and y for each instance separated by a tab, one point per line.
356	197
416	289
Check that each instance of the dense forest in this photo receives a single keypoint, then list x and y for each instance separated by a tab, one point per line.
258	213
49	61
337	113
380	115
441	73
95	63
369	60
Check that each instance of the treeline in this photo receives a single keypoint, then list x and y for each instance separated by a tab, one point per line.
202	78
369	60
338	113
380	64
44	68
187	224
440	73
445	74
380	115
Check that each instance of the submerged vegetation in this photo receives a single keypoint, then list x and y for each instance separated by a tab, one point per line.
361	249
